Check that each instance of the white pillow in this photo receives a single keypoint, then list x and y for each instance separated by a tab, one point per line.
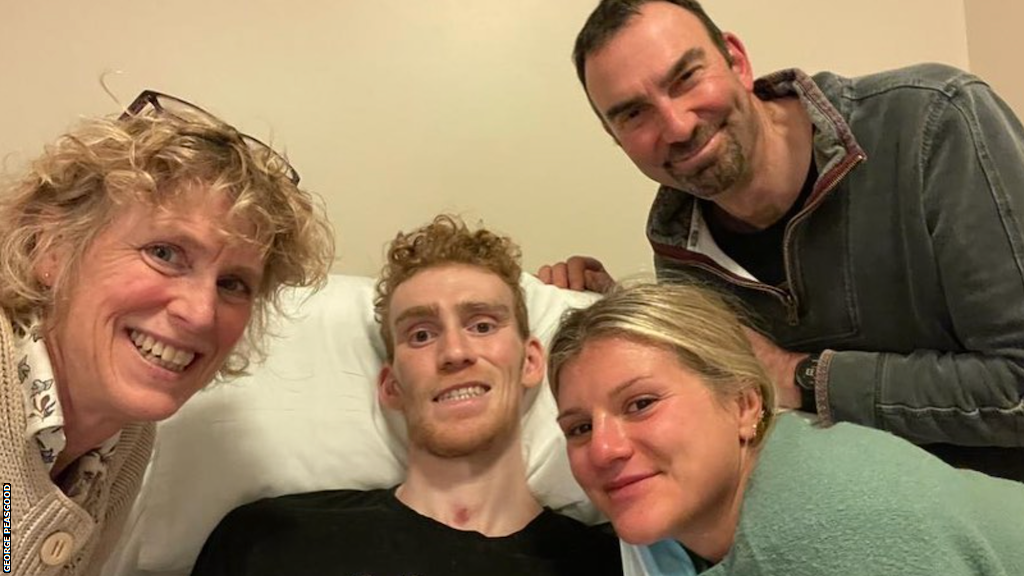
308	419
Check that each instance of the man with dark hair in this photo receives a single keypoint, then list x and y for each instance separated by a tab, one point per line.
459	359
873	224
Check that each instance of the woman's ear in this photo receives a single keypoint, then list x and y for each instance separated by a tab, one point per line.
48	266
750	411
52	253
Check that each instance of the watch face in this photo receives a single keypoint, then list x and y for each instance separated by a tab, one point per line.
805	381
805	372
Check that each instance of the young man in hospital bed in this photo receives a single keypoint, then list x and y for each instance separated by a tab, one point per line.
459	359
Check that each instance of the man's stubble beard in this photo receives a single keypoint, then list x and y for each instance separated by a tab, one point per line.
722	174
461	443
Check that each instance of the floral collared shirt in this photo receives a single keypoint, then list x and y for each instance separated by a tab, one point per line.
46	419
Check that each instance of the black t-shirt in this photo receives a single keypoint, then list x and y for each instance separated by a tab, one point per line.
760	252
371	533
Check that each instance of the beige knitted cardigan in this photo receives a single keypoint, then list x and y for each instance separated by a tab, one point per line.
38	507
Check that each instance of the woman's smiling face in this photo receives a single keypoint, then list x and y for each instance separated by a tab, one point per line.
648	441
158	302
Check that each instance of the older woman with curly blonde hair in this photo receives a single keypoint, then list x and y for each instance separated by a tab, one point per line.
139	258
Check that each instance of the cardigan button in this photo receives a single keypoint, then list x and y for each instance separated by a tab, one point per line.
56	548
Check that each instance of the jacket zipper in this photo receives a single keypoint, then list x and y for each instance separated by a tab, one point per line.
788	298
831	181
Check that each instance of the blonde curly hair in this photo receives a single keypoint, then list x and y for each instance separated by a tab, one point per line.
82	181
447	240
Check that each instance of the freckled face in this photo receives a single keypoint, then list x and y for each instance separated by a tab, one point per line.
673	102
460	366
647	440
160	299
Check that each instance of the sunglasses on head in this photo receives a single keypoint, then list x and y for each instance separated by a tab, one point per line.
164	104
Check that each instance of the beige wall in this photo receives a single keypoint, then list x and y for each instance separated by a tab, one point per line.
397	109
995	42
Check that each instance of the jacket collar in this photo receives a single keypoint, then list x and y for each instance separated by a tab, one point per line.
675	226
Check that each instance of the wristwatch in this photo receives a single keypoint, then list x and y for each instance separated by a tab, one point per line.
805	378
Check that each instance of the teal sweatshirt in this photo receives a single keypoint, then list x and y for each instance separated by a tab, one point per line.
849	500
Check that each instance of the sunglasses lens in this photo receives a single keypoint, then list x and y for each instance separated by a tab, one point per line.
276	158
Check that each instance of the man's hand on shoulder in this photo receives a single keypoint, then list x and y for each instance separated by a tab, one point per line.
781	367
577	273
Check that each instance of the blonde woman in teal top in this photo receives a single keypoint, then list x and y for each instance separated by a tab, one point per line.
671	430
